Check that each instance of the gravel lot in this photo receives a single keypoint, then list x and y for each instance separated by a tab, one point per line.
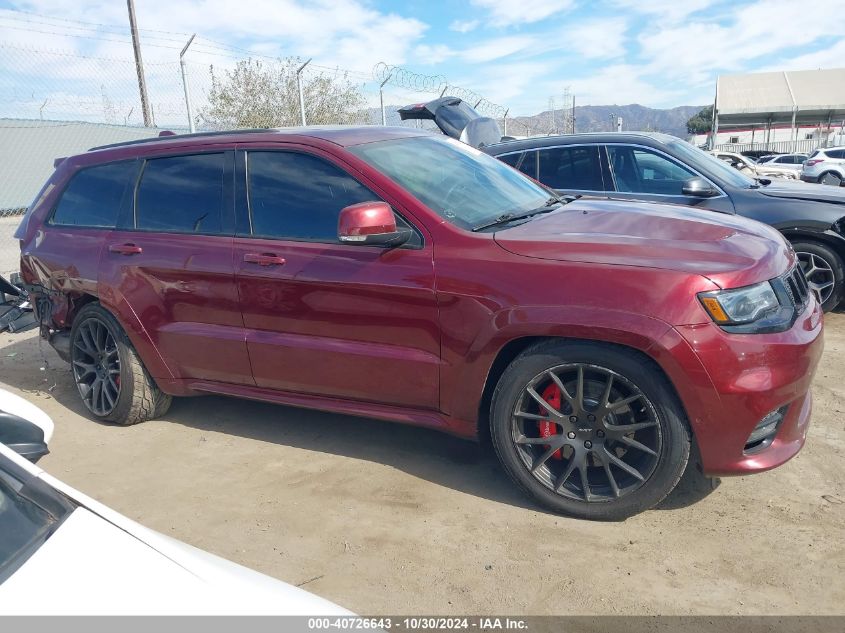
383	518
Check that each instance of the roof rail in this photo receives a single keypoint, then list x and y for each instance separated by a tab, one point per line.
176	137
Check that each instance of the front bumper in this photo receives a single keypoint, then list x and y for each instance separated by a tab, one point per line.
740	379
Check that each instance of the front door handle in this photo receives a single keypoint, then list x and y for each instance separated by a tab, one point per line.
125	249
264	259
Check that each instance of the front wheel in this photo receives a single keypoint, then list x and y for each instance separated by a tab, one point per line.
589	430
824	271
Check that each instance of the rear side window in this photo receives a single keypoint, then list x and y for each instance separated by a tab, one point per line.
181	194
299	197
836	153
571	168
529	165
93	196
510	159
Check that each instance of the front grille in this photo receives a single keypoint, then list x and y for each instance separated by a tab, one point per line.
797	288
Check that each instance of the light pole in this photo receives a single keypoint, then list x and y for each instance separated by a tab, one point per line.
139	65
299	90
191	127
381	98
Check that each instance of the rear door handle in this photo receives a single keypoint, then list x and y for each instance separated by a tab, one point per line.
125	249
264	259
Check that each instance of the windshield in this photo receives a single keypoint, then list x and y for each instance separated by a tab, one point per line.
703	161
456	181
24	523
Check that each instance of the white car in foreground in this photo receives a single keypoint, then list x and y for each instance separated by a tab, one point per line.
63	553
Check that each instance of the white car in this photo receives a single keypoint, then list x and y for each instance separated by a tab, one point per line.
63	553
826	166
752	169
792	162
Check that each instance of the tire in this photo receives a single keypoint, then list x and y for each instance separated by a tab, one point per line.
101	350
822	265
519	439
831	178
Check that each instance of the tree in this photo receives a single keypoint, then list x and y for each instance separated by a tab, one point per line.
257	95
702	122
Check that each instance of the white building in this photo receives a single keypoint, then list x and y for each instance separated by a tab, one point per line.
782	111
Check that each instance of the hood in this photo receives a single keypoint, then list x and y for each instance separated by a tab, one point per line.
456	119
730	250
804	191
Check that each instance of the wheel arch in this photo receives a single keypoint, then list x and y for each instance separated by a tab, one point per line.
513	348
828	238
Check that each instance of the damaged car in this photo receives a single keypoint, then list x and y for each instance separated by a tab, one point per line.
597	345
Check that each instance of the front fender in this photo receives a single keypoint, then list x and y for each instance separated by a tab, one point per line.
463	393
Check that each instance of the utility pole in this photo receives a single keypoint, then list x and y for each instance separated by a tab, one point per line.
299	90
381	99
139	65
191	127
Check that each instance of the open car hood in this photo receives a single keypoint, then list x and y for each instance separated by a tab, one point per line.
457	119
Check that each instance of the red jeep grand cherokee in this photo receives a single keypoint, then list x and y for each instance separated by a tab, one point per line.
393	274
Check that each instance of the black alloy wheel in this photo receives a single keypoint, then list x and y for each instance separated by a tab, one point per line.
589	429
586	432
96	367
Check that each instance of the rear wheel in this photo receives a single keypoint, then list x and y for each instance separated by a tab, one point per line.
831	178
109	375
589	430
824	271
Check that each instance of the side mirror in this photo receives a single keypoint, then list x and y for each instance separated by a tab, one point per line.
699	188
370	224
24	428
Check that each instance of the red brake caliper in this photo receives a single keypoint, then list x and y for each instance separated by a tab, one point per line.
547	428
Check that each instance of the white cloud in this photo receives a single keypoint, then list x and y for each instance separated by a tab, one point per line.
828	57
695	51
595	39
497	48
509	12
622	84
345	32
428	55
464	26
668	11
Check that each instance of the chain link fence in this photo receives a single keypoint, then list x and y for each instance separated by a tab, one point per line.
55	103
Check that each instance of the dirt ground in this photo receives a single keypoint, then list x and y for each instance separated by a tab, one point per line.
383	518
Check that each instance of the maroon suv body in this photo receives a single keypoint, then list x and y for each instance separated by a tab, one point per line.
592	340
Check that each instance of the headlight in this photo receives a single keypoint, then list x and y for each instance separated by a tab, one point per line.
743	305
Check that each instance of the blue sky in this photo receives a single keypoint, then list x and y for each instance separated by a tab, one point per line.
517	53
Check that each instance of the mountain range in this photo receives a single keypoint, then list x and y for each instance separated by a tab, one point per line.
602	118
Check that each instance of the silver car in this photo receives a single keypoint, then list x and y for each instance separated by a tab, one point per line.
826	166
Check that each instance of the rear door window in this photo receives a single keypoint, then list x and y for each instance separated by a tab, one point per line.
181	194
93	196
576	168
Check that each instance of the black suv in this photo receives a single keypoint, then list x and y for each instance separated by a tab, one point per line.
662	168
